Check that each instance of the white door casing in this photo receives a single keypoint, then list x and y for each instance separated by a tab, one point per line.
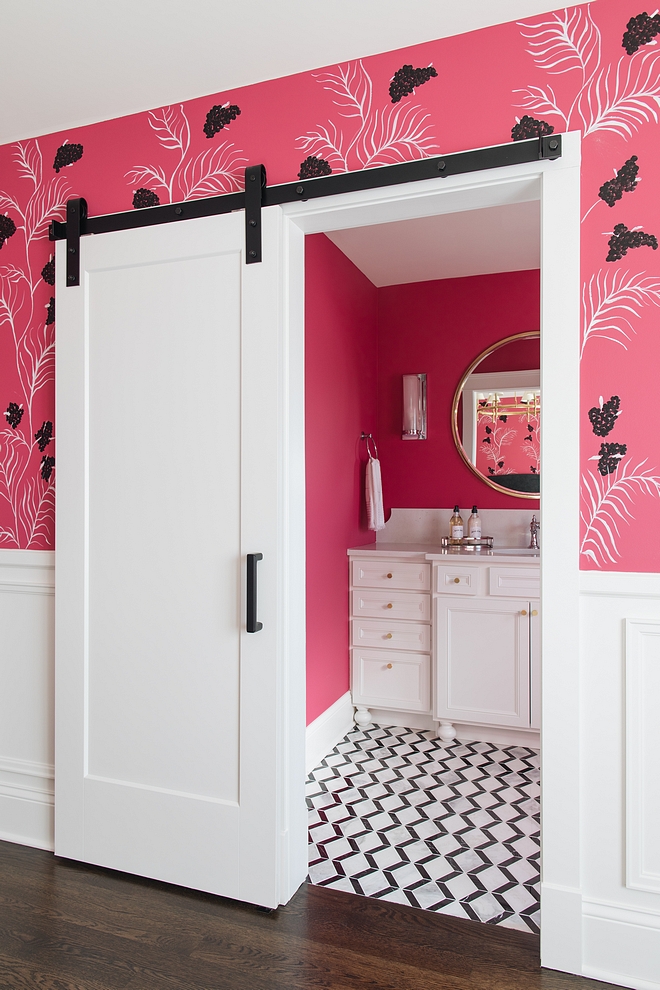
172	755
556	185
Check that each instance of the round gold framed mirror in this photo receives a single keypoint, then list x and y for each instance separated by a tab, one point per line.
496	416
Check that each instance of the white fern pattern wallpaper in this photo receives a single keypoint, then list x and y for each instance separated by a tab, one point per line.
593	68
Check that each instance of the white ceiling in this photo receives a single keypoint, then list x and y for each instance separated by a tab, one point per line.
477	242
70	62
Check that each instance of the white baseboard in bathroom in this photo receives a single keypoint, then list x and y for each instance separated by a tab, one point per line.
501	736
327	730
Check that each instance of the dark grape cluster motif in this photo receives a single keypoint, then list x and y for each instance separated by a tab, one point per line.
7	228
14	414
47	465
218	117
145	197
67	154
500	465
623	239
48	272
528	127
603	418
44	435
406	79
625	181
312	167
640	30
609	456
50	311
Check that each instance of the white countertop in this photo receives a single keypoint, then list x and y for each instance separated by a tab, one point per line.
430	552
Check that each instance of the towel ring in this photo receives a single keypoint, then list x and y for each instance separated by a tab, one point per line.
368	437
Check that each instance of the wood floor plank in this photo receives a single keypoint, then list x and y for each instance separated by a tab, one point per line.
68	926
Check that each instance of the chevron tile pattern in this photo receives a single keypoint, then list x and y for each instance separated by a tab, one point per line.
396	814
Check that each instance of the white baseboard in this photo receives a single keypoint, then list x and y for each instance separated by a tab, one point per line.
327	730
621	945
500	735
26	803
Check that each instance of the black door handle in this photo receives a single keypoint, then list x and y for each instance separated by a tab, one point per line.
251	623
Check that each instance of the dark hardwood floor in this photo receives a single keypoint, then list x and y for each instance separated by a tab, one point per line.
66	926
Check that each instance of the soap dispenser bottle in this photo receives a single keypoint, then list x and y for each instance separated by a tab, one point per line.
456	525
474	524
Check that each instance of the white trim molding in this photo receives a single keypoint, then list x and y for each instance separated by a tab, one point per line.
323	734
642	735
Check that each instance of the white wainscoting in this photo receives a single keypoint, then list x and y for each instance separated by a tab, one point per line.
620	773
643	754
27	696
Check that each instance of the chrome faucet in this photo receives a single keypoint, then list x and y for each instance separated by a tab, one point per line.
534	528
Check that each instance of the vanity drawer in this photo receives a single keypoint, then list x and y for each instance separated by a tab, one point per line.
379	573
375	604
515	582
385	679
394	635
457	579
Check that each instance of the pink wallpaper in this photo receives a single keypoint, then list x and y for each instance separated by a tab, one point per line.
439	328
340	402
595	67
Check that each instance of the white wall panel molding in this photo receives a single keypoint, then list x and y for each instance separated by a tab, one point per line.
323	734
620	792
26	703
642	736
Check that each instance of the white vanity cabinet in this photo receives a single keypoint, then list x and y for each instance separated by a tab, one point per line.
452	640
390	633
486	643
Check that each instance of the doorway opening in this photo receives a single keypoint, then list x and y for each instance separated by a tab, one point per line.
446	824
559	305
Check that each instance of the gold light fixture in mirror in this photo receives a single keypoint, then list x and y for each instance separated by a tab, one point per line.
496	416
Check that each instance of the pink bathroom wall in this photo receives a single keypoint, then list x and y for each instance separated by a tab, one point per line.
340	402
439	328
593	68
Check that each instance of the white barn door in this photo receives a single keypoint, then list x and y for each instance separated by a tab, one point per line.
168	747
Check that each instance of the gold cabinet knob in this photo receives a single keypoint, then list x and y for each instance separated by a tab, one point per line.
389	605
389	666
388	636
389	575
534	612
457	580
523	611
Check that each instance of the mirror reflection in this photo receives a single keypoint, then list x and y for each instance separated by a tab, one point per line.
496	415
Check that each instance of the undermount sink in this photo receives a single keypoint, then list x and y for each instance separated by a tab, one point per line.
517	551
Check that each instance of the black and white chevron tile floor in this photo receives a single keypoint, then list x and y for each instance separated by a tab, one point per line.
397	814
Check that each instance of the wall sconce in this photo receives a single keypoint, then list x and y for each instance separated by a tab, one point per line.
414	407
